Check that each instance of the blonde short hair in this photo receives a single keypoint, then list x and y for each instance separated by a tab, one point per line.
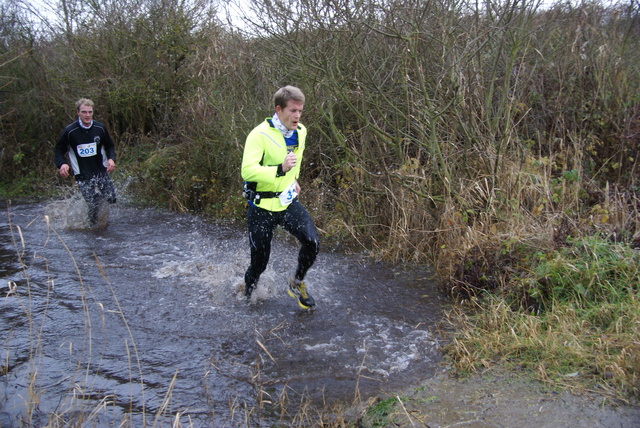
286	93
83	102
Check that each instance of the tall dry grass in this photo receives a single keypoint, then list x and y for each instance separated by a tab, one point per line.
471	136
430	123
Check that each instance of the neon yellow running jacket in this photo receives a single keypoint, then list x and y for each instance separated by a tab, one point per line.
265	149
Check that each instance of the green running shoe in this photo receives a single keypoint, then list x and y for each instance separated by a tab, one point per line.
298	290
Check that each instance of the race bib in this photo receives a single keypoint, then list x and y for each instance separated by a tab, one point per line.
86	150
287	195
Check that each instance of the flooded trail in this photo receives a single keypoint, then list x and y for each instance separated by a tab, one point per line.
142	322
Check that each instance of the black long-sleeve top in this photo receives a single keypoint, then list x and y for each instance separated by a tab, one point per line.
89	149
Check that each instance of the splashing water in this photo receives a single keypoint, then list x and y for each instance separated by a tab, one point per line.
146	319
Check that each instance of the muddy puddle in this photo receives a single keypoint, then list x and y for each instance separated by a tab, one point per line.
142	320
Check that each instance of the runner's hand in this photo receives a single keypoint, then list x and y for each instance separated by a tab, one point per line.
289	162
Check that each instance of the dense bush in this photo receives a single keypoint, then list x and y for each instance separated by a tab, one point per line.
438	131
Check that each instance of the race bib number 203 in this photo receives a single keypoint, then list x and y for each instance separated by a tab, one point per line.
86	150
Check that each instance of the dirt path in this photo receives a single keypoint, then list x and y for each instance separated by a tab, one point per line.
498	399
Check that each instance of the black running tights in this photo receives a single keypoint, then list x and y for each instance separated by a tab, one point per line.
262	223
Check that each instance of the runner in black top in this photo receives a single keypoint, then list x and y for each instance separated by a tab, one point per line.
91	154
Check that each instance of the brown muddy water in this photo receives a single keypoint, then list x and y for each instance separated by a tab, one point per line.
141	322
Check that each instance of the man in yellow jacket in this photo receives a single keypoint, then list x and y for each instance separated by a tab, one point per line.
270	168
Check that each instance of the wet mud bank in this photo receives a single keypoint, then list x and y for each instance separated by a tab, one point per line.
502	398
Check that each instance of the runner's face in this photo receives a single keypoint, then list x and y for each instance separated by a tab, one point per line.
85	113
290	115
